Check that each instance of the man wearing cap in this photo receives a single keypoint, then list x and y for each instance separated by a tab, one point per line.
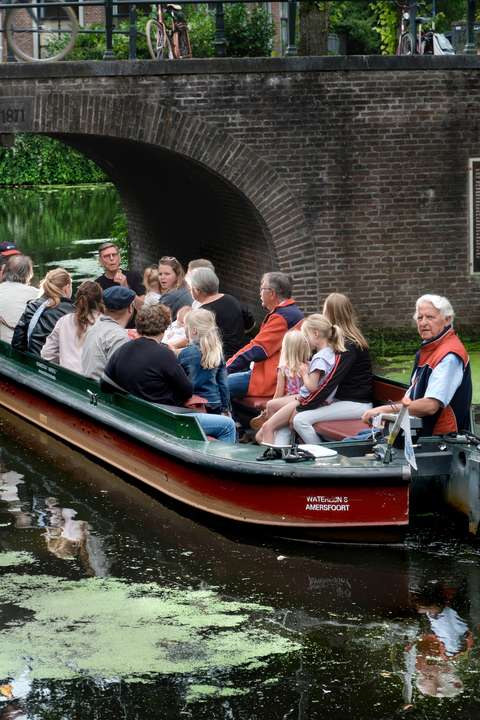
108	333
15	292
7	250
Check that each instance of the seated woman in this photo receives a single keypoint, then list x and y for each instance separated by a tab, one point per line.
227	310
173	288
64	344
148	369
41	315
352	377
441	385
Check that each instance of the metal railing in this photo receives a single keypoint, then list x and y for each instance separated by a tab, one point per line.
220	43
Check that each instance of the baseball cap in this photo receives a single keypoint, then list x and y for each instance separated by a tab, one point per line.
118	297
7	249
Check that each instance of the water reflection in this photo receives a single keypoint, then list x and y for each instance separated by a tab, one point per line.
103	587
59	225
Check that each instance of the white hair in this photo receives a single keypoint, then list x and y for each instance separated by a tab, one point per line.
439	302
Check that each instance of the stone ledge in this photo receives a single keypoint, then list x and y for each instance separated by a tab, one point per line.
233	66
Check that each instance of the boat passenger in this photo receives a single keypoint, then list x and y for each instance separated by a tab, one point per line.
193	265
441	383
226	308
175	336
264	349
64	344
110	259
109	332
41	315
152	285
148	369
203	361
248	317
7	250
15	292
352	377
174	290
326	341
294	357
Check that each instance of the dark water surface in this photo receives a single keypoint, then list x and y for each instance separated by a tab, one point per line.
114	606
60	226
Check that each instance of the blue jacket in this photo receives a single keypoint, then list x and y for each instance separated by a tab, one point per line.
210	384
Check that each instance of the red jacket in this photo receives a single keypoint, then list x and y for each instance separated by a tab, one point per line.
264	349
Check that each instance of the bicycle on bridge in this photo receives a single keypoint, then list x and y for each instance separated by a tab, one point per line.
41	32
47	30
167	34
416	41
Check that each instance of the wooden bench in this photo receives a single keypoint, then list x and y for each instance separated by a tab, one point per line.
384	391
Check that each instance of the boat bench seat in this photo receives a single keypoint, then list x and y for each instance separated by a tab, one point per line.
339	429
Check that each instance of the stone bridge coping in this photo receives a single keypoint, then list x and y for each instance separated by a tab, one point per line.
215	66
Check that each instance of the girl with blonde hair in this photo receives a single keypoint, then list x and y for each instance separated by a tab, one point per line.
152	285
326	342
203	360
351	380
294	357
41	315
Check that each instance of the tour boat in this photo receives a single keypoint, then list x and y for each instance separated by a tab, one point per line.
350	490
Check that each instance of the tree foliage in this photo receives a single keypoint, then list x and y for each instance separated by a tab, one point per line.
356	21
40	160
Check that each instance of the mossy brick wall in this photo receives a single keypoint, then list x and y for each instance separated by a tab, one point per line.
349	173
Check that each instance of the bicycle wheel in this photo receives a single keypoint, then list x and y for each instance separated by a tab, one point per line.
406	44
157	40
184	47
41	34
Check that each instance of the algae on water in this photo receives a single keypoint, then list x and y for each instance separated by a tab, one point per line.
107	628
13	559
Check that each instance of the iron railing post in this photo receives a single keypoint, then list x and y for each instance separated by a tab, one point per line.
412	20
220	42
292	27
132	32
470	46
108	54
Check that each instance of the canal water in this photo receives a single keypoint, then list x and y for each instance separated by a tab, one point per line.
60	226
113	605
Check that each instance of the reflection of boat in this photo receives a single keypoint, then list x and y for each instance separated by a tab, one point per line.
353	495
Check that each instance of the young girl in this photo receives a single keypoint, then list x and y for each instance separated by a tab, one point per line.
152	285
203	360
293	362
326	341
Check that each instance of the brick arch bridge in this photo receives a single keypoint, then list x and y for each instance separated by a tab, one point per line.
349	173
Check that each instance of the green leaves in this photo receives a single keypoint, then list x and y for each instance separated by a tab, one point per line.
40	160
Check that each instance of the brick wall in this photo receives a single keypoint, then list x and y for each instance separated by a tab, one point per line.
350	173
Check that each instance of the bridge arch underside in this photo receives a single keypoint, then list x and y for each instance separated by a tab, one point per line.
176	206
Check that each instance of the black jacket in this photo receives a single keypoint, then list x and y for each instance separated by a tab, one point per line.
43	328
149	370
352	376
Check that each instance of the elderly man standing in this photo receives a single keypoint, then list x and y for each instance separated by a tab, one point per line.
441	382
108	333
15	292
264	350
